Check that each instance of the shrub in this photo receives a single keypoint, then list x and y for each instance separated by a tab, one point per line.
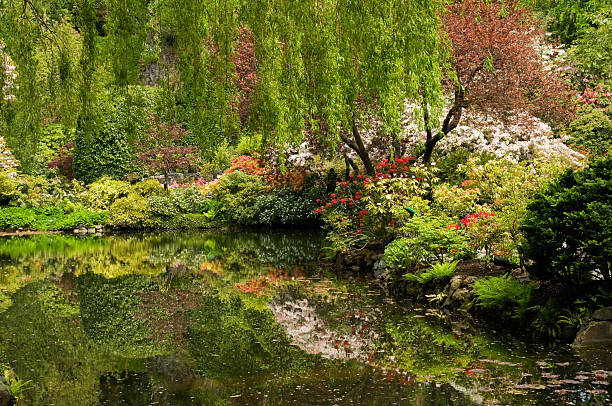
163	205
592	130
16	217
238	193
500	293
427	239
211	209
439	273
568	227
249	144
102	142
103	192
284	207
8	186
79	217
189	200
52	138
132	211
148	188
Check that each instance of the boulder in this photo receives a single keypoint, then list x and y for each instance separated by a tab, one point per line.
603	314
596	332
5	397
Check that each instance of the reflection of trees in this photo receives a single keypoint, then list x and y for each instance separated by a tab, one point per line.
41	337
108	308
229	339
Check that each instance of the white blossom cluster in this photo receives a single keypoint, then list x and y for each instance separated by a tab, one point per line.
480	133
7	160
9	73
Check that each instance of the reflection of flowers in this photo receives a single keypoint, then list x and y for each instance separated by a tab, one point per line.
311	333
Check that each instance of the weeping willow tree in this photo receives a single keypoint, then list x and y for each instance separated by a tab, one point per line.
322	66
20	117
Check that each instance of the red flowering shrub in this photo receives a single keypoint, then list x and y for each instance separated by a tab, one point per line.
366	209
484	232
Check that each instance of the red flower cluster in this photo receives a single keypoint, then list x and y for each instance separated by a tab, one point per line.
397	167
471	218
596	97
249	165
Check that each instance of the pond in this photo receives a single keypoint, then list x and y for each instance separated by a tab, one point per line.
232	317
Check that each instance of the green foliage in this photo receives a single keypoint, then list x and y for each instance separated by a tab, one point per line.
592	130
148	188
163	205
132	211
103	192
592	50
284	207
547	321
220	158
13	385
8	186
103	142
53	137
440	272
16	217
569	19
53	218
81	217
238	193
568	227
504	294
249	144
190	200
425	240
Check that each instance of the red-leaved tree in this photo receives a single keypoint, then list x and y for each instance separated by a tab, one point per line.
245	71
162	149
498	69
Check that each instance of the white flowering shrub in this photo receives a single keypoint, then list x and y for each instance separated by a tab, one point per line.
9	73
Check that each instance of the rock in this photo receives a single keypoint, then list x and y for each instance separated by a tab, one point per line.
5	397
596	332
603	314
91	230
457	292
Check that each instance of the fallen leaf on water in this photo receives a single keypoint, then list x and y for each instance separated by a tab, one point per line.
570	381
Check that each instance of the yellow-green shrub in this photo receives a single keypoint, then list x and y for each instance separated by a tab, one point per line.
132	211
101	194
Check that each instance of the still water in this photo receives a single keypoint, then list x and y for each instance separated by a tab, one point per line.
249	318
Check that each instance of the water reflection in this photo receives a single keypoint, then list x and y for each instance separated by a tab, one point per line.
247	318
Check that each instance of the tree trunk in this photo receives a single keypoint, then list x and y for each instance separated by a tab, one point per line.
356	144
349	164
398	152
449	124
362	152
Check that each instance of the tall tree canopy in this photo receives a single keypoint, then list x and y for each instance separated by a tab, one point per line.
496	68
321	65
